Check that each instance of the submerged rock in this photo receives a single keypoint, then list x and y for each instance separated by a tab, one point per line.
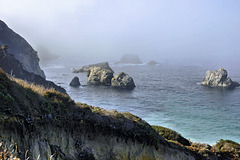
219	78
103	65
99	76
75	82
130	59
123	80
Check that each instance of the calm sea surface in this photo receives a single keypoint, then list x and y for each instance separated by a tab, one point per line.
165	95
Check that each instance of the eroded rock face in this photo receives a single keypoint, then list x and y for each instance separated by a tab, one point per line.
75	82
103	65
98	76
219	78
123	80
21	49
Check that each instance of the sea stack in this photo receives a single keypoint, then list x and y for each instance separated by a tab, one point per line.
103	65
129	59
123	80
75	82
219	78
98	76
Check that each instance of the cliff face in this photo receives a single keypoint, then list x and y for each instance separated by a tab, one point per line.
13	67
21	49
49	123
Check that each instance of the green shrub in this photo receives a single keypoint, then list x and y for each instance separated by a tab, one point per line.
171	135
227	146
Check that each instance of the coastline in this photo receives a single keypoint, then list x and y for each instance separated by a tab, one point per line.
107	100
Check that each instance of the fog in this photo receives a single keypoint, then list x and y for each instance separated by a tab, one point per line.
175	30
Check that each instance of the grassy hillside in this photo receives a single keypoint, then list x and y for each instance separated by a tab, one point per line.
31	105
25	108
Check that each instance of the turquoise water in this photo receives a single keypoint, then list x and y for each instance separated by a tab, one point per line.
165	95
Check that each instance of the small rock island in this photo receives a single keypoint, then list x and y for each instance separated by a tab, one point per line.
129	59
219	78
75	82
102	65
102	74
123	80
98	76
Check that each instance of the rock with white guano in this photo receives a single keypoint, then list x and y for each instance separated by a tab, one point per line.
219	78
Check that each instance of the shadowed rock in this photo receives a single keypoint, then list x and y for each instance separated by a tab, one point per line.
21	50
219	78
103	65
75	82
123	80
4	49
98	76
14	68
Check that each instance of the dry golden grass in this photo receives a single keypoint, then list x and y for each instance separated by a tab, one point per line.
36	88
8	153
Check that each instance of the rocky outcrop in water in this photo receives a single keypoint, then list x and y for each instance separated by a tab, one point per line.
152	63
21	49
219	78
75	82
99	76
103	65
14	68
123	80
130	59
51	123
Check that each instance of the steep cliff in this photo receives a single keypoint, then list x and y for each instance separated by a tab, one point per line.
46	123
21	49
13	67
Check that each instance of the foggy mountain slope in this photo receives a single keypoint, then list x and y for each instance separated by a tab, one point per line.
21	49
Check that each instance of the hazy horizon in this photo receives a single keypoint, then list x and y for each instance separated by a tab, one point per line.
153	29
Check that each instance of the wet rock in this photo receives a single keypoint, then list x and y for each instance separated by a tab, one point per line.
219	78
75	82
123	80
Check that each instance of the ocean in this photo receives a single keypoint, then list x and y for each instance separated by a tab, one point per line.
166	95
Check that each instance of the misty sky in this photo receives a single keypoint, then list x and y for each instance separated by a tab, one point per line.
153	29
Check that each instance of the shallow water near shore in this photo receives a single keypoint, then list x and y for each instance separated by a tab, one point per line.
165	95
